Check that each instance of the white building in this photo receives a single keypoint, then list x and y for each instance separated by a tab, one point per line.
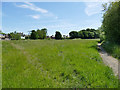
22	37
2	36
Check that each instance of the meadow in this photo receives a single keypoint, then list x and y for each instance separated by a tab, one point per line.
0	64
54	64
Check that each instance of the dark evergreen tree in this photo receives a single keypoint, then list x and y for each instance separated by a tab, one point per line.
58	35
34	35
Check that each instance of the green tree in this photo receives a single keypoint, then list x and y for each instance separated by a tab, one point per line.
73	34
34	35
15	36
111	22
0	31
58	35
89	33
85	33
102	33
80	34
42	33
97	34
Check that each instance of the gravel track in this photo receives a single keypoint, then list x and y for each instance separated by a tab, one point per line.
109	60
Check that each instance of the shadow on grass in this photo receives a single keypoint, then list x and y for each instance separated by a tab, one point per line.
97	47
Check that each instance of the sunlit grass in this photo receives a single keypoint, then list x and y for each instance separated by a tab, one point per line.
54	64
0	64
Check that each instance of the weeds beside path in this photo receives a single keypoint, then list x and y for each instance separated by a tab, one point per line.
109	60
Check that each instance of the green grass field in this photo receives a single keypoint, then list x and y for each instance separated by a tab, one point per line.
54	64
0	64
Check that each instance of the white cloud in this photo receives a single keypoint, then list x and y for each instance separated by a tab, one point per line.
44	13
33	7
93	8
48	15
35	16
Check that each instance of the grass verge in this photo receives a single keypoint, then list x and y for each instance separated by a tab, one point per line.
112	48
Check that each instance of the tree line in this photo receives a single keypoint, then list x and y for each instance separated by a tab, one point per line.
110	29
39	34
42	34
85	34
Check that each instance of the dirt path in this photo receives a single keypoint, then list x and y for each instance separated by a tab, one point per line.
109	60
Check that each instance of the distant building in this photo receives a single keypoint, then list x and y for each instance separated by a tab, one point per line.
2	36
7	36
22	37
7	39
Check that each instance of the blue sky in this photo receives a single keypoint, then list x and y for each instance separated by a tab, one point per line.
55	16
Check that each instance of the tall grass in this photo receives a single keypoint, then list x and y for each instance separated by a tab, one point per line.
0	64
55	64
112	48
